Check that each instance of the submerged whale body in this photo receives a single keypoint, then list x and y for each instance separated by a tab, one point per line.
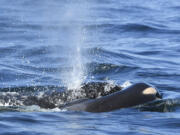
136	94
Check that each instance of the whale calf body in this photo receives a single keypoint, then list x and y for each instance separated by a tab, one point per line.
136	94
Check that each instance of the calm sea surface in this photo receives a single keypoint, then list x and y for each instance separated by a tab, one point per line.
63	43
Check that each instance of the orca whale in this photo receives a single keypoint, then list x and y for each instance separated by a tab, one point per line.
91	97
136	94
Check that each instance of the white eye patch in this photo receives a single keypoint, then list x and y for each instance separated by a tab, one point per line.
149	91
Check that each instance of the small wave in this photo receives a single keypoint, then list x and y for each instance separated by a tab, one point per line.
33	108
152	52
106	68
157	73
10	50
36	51
138	27
175	7
164	105
31	88
133	27
109	54
129	27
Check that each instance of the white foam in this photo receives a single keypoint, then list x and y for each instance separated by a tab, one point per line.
126	84
110	85
36	108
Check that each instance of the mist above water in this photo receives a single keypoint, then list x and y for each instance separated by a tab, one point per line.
71	36
77	73
75	37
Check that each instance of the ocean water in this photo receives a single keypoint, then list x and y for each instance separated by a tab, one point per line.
54	44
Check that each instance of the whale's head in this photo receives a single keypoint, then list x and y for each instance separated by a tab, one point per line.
150	91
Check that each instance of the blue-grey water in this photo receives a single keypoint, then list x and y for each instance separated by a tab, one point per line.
46	44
